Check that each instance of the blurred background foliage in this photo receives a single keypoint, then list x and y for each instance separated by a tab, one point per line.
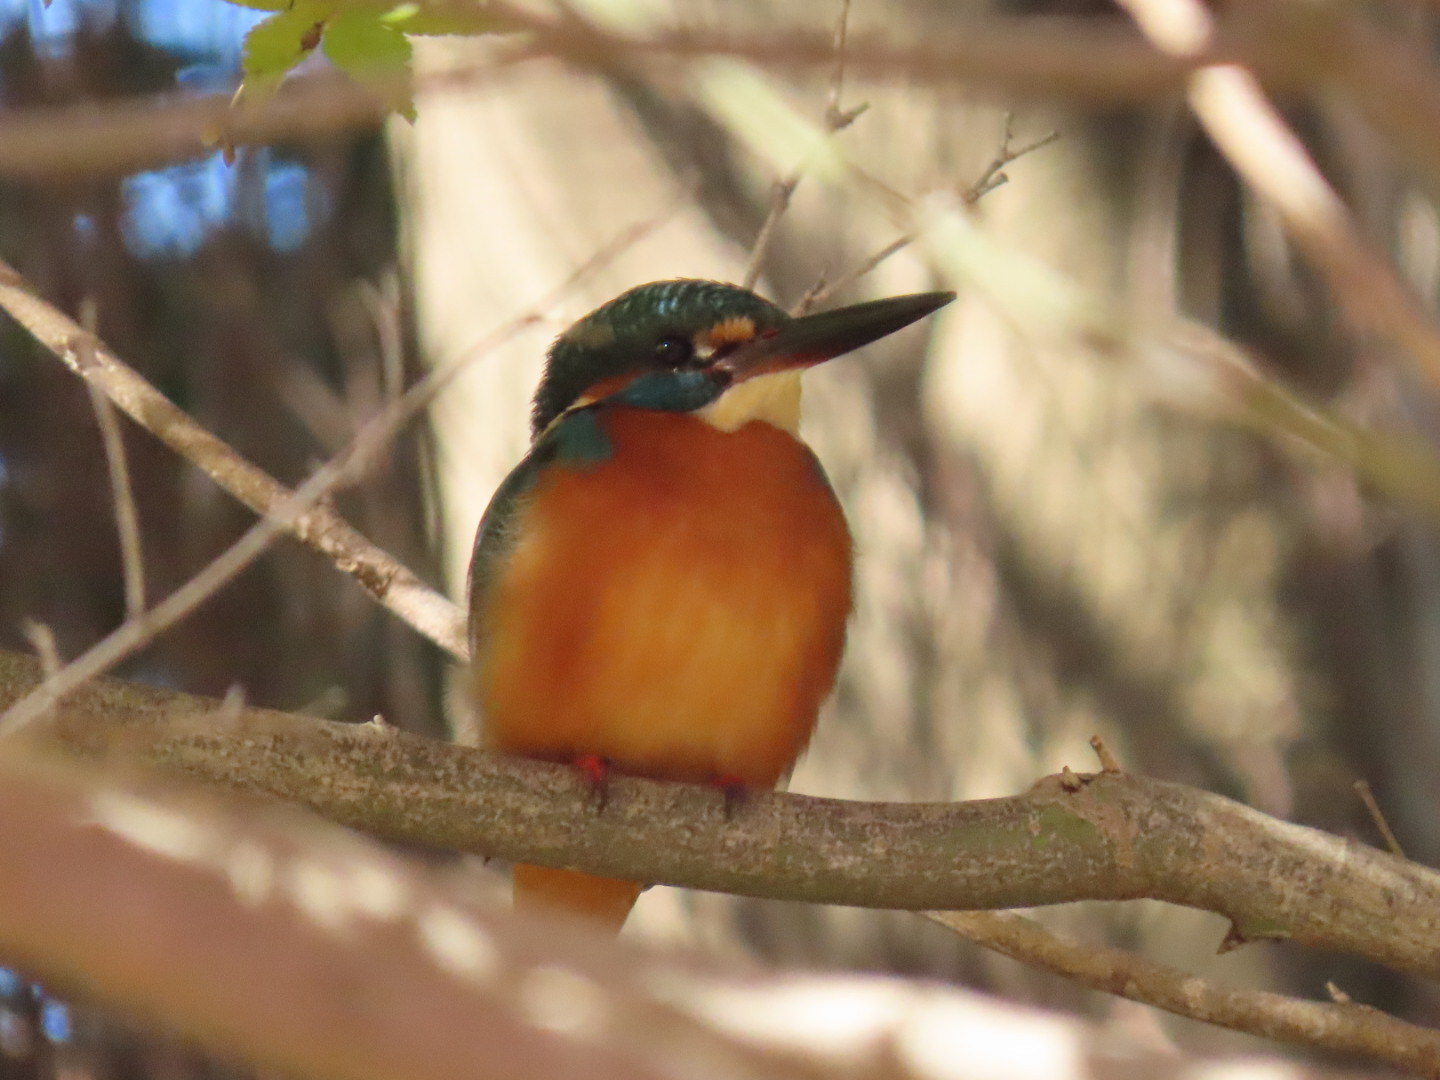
264	299
1045	553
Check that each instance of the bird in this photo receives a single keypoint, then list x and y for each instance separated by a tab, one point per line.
661	586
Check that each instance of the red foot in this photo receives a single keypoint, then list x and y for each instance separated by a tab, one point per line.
734	791
596	772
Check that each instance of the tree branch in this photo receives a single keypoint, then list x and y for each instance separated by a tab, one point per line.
379	573
1109	837
391	583
1341	1028
310	952
1078	59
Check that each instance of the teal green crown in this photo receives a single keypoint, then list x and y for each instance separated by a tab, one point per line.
650	328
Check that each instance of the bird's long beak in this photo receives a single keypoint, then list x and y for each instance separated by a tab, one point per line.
813	339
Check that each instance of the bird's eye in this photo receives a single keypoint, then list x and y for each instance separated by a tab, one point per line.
674	351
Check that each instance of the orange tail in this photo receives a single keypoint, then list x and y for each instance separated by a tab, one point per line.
604	901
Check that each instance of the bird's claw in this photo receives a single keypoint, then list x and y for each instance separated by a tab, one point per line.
595	771
733	790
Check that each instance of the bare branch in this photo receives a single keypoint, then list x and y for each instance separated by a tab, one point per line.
42	640
1113	837
236	928
139	630
394	586
994	174
780	193
836	120
992	178
236	924
1392	844
1344	1028
300	513
122	495
1078	59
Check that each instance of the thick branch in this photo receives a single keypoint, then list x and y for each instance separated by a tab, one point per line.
1081	59
308	952
1112	837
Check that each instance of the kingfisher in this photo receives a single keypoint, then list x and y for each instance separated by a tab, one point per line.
661	586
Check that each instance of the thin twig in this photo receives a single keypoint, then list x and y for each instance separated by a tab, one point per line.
1362	788
122	495
836	120
1341	1027
390	583
42	640
127	517
820	295
992	178
281	515
1108	762
994	175
382	304
309	519
780	193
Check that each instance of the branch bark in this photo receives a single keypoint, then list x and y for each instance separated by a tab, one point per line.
1078	59
310	952
1107	837
1343	1028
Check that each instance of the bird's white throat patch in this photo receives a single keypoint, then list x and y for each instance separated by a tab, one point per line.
773	398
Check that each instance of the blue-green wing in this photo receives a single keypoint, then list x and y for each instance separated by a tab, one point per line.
576	441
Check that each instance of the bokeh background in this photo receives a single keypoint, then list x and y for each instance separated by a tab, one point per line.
1046	551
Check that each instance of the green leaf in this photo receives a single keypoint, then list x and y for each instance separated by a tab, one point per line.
359	43
364	38
275	45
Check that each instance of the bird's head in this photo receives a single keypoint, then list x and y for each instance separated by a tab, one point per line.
706	347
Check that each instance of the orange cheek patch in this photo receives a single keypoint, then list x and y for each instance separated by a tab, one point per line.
733	331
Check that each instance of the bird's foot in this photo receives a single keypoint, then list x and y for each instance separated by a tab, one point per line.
733	790
595	771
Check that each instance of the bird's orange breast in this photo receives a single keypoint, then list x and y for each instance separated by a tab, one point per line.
678	608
